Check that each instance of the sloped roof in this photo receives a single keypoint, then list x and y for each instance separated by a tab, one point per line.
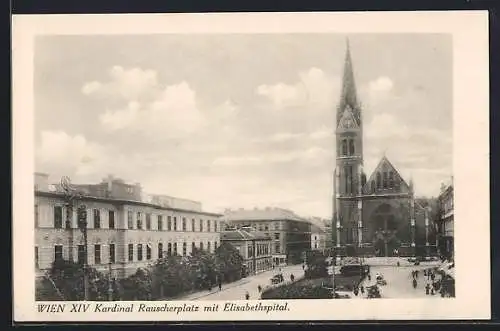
385	162
243	235
266	214
317	229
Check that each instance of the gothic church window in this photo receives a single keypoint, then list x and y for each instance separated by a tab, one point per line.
344	147
379	181
385	180
351	147
373	186
391	179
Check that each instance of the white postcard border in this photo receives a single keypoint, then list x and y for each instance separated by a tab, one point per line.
470	158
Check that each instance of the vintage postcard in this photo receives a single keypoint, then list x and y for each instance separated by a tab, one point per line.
226	167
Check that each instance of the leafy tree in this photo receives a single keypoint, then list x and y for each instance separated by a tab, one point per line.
172	276
204	268
137	286
67	277
316	265
229	262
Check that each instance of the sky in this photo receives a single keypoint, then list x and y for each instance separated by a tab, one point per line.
239	121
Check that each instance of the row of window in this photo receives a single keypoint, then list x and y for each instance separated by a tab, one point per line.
143	252
59	255
171	222
384	180
347	147
262	249
264	226
172	249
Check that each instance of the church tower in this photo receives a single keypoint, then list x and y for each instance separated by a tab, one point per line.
348	177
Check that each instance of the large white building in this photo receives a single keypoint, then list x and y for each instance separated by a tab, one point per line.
123	233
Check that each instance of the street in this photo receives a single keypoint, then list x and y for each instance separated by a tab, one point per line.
398	279
237	290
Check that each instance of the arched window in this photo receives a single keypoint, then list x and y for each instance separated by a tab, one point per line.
391	179
351	147
385	180
373	186
379	181
344	147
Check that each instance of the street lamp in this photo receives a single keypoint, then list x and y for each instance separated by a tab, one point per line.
82	225
71	197
110	286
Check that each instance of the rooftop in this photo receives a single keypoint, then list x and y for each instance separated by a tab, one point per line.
238	234
266	214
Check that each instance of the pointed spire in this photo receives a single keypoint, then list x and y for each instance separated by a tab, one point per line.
348	95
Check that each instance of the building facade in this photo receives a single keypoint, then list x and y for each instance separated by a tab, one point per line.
319	238
122	235
254	247
376	214
445	222
290	234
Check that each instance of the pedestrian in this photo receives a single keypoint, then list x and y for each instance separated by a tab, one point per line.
416	274
425	272
369	277
414	283
220	285
427	288
247	295
362	289
259	288
303	266
356	290
432	291
398	264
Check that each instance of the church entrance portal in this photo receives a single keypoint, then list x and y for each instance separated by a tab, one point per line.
385	227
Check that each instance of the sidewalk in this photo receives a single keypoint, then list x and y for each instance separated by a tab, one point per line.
202	294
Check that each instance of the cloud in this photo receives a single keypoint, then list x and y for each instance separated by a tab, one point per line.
66	154
381	84
129	84
313	89
59	153
310	155
173	113
385	125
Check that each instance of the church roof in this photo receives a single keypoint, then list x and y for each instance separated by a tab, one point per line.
348	96
385	163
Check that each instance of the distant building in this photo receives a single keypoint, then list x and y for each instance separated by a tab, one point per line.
318	238
445	222
291	234
254	247
125	232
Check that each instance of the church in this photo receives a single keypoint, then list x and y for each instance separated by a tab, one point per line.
376	214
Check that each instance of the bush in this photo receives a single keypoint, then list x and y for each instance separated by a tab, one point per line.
298	290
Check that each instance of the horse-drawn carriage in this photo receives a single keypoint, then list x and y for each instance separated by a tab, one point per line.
380	280
373	292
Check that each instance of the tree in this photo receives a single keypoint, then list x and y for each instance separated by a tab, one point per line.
67	276
317	266
136	286
172	276
229	262
204	268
